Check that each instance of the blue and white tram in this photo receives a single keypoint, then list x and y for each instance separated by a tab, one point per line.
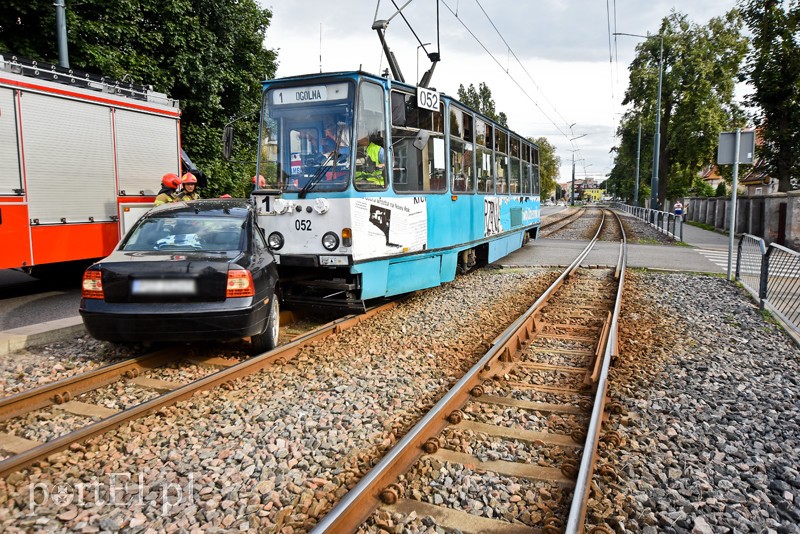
376	188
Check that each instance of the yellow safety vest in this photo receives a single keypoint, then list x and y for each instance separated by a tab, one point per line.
375	176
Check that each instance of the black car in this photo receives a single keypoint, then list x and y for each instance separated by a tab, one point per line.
186	271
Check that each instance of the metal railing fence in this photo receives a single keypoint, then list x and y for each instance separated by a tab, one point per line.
663	221
772	274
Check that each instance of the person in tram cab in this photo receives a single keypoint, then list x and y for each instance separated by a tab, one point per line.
335	132
169	187
188	188
374	160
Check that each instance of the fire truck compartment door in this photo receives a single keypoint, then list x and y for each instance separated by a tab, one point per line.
10	175
69	159
147	148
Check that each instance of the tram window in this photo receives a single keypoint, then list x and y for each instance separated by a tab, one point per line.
480	132
461	166
514	147
535	178
526	168
468	127
485	174
515	187
371	153
269	151
501	162
398	109
418	151
456	122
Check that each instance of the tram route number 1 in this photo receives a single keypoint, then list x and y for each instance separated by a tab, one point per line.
427	99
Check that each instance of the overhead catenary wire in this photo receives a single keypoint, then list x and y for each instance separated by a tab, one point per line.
511	52
499	64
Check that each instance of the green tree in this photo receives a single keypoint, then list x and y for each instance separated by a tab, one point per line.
481	100
209	54
549	163
721	190
701	65
773	69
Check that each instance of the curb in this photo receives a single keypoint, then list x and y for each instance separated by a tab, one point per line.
39	334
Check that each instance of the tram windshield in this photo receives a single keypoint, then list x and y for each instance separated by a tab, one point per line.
306	137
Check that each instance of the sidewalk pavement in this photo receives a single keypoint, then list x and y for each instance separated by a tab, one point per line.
697	237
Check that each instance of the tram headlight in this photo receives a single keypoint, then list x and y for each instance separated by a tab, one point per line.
275	241
330	241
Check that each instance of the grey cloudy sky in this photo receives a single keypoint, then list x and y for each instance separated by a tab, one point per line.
564	75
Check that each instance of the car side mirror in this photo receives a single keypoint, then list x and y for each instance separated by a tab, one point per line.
227	141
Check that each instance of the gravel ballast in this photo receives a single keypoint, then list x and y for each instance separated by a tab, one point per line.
710	438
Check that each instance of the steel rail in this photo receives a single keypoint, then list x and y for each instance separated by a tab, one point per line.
357	505
68	388
580	499
65	389
551	227
246	367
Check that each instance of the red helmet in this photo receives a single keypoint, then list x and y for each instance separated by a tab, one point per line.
188	178
261	181
171	180
226	195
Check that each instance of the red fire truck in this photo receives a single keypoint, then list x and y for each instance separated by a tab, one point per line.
78	154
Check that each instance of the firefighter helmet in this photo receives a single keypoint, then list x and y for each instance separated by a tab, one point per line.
189	178
261	181
171	180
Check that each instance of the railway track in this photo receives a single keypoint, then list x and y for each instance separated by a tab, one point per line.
66	394
551	227
528	412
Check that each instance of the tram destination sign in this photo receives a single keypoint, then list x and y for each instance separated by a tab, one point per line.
309	93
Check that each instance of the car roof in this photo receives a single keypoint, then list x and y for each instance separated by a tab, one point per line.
219	207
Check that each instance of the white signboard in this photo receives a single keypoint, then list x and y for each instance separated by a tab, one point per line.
389	226
427	99
309	93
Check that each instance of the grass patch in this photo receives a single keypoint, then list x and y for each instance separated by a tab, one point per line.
704	226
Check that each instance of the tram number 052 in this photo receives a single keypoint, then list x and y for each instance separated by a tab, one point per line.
302	225
427	99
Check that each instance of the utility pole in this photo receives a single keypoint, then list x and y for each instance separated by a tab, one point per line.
638	152
61	32
657	138
572	192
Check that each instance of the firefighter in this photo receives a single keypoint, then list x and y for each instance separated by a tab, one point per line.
188	188
259	182
170	183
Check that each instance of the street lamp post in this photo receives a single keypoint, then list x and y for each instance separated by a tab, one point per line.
657	137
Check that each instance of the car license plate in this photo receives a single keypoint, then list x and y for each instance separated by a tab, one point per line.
164	287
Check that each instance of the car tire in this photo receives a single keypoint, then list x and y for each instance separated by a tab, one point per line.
268	339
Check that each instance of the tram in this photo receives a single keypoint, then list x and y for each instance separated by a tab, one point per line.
373	188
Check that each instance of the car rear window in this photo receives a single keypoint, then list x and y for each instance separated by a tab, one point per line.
186	233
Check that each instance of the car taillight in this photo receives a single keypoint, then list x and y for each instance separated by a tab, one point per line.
240	284
92	285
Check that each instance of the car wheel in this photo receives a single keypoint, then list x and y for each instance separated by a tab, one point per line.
268	339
